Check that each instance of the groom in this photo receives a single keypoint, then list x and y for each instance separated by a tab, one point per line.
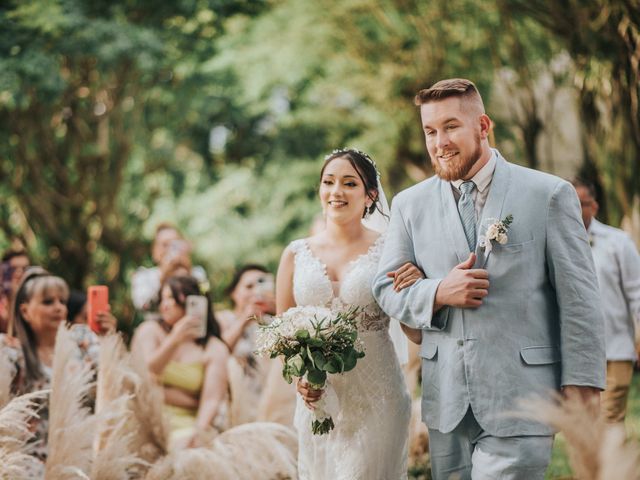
509	307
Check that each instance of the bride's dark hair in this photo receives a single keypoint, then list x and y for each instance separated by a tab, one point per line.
366	170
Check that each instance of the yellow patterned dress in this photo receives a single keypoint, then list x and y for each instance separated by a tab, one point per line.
189	377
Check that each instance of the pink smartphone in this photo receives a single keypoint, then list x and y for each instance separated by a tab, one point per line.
97	301
196	305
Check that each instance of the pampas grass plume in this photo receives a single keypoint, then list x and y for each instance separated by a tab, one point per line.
71	426
597	450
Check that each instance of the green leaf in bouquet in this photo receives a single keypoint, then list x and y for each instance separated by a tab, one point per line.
296	365
322	427
302	335
350	359
315	342
318	359
335	364
316	377
286	373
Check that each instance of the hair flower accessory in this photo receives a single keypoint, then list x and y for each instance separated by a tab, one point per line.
496	232
342	151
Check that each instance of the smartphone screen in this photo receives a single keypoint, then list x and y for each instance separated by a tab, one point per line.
196	305
97	301
178	248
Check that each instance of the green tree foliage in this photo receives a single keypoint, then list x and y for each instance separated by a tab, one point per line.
603	39
97	109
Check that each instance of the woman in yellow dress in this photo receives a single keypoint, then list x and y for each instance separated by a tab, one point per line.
191	368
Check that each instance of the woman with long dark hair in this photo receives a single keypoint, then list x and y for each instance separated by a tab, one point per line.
191	367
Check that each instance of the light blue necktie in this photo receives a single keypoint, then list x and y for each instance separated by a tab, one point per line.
467	211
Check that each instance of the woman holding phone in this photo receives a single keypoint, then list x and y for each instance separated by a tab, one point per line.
190	366
39	308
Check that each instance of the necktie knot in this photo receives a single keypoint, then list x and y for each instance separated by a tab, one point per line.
467	187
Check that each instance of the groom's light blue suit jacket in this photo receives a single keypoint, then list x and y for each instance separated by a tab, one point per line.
541	325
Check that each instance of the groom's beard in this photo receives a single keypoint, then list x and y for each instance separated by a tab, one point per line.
460	169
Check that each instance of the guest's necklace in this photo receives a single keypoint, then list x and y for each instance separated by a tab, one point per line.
165	326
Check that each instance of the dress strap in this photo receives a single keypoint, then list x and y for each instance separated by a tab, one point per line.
297	246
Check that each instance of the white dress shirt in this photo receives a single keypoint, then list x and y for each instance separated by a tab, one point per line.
482	179
618	268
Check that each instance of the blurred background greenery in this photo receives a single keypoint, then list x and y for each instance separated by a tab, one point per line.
215	114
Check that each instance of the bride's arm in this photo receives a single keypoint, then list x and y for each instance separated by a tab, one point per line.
284	282
405	276
284	301
413	334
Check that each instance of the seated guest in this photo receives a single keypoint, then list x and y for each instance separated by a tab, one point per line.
171	254
77	307
251	293
191	368
14	263
40	307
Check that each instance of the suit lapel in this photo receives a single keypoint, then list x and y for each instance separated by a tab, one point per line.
452	222
493	207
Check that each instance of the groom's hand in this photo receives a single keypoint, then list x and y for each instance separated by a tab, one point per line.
463	287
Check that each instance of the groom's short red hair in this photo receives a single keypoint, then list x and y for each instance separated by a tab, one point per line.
451	87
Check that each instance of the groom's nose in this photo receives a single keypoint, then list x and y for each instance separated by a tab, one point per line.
442	140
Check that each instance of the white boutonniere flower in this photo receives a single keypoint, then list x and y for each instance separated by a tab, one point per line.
496	232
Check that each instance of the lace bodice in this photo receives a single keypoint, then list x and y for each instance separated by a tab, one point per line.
312	285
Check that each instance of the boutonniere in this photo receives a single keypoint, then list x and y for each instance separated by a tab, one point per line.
496	232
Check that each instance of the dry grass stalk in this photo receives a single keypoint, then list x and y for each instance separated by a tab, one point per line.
246	452
114	457
192	464
123	437
15	417
151	439
15	463
259	450
418	435
597	450
71	425
5	380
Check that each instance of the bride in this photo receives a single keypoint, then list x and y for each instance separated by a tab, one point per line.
335	268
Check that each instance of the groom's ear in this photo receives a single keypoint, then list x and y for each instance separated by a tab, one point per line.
485	126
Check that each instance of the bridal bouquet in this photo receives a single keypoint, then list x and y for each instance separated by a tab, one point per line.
313	342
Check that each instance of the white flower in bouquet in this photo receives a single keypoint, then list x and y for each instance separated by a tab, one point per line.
314	342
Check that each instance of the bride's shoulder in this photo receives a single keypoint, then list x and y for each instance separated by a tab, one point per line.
296	246
374	238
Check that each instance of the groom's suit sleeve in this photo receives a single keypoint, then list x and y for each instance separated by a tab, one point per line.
572	274
411	306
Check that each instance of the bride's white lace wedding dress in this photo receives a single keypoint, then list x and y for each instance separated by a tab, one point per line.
369	441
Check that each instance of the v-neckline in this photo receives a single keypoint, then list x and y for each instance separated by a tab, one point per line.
348	269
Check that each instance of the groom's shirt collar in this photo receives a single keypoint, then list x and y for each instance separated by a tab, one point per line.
483	178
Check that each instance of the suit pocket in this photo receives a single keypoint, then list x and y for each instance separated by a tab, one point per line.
428	350
512	247
540	355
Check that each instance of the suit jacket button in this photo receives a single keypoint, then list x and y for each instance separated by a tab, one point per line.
460	343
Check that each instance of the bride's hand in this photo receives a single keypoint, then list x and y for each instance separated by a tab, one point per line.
405	276
308	394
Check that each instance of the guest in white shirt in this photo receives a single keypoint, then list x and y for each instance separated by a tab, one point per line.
618	268
172	255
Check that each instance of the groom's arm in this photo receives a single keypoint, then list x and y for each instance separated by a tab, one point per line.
572	274
412	306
